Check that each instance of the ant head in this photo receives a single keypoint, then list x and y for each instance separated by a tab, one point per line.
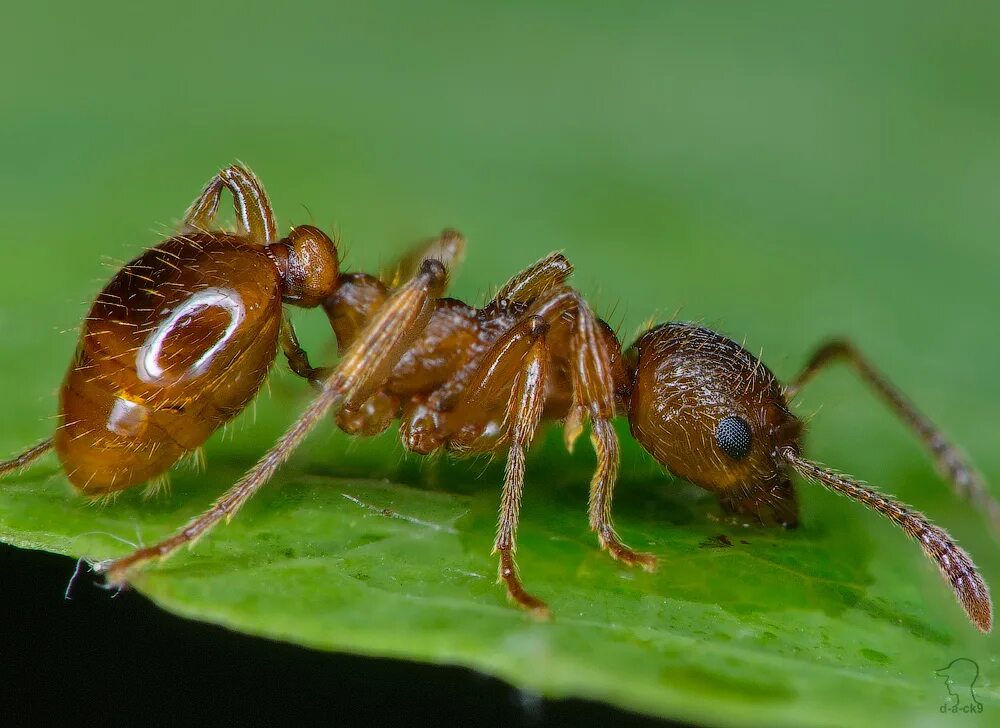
708	410
307	260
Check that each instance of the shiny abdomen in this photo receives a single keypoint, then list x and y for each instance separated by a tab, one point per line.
177	344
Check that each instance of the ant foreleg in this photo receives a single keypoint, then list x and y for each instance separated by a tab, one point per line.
951	463
364	368
254	217
26	458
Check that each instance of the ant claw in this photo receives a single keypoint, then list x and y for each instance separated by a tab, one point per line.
647	562
620	552
102	566
113	579
540	613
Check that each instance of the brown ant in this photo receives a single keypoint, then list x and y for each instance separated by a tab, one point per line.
182	337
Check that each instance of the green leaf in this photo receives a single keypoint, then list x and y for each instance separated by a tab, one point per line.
759	626
782	171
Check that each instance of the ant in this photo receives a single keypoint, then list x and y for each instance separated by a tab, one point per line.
181	339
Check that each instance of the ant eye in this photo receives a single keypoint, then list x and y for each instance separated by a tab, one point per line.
734	437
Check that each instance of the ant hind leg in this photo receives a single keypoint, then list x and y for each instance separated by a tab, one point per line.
25	458
254	217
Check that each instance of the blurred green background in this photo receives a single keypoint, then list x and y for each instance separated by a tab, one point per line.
781	171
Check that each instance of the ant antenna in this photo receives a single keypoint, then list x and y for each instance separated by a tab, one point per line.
954	563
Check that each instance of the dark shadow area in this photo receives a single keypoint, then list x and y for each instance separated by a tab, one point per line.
121	660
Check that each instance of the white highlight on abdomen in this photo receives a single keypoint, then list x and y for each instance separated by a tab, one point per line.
127	418
147	360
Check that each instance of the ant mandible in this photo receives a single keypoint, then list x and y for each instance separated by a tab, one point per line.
181	339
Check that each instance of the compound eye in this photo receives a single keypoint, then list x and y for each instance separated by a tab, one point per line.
734	437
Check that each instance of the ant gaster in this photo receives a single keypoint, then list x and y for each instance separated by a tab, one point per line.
181	339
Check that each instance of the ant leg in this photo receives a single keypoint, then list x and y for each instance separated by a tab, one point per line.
254	217
594	397
26	458
950	462
550	272
524	411
955	565
364	368
519	356
298	360
514	368
448	247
